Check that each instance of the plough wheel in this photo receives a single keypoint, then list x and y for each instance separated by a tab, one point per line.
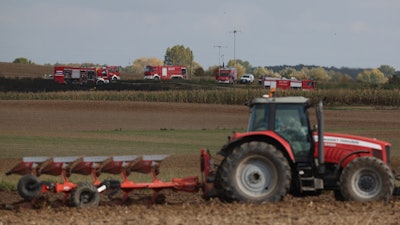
29	187
85	195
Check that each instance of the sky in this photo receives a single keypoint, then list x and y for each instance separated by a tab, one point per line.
341	33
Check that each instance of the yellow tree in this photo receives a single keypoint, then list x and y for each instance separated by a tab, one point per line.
372	77
287	72
140	63
240	70
319	74
242	67
264	72
302	74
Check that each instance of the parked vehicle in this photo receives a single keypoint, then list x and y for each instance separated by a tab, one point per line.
284	84
226	75
85	75
165	72
247	79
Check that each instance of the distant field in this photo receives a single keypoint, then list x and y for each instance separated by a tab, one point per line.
24	70
11	70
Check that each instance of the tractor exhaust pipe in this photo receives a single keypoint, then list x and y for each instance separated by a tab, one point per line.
321	152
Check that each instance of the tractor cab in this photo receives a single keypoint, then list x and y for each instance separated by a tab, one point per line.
287	118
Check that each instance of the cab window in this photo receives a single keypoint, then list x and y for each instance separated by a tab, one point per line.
291	123
259	115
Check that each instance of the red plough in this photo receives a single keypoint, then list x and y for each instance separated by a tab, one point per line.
87	194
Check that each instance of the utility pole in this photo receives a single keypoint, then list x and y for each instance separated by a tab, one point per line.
219	53
234	46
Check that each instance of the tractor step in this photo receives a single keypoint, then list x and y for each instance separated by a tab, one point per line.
307	180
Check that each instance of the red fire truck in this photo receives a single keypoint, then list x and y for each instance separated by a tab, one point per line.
165	72
226	75
284	84
85	75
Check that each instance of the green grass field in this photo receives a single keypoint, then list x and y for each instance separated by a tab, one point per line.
115	142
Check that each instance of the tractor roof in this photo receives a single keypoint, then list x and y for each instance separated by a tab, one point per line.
278	100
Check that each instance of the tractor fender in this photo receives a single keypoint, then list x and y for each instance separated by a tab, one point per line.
265	136
341	164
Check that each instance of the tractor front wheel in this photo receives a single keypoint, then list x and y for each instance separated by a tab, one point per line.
366	179
254	172
85	195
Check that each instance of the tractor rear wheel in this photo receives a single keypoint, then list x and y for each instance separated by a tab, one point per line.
366	179
254	172
29	187
85	195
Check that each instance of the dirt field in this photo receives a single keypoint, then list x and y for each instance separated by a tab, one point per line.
43	118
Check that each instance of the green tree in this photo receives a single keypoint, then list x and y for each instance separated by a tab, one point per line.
197	69
178	55
22	60
337	76
387	70
393	82
212	70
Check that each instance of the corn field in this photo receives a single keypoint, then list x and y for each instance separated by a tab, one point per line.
339	97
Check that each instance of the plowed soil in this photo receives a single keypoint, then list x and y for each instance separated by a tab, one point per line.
186	208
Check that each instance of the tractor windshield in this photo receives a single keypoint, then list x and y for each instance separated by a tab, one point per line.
291	123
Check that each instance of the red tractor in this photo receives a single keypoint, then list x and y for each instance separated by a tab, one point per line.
281	153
